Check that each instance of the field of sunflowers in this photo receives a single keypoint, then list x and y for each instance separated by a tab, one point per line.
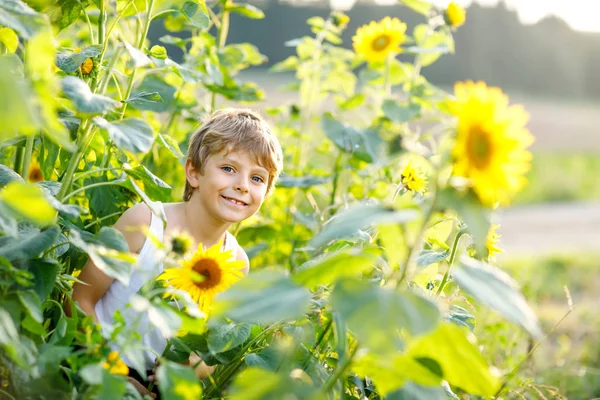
369	261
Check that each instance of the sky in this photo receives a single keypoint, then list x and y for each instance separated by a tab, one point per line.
583	15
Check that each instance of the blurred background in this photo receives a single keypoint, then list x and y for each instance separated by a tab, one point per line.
546	56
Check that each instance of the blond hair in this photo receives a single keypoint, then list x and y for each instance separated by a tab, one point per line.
235	129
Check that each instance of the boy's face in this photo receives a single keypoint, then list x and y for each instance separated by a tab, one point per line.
232	186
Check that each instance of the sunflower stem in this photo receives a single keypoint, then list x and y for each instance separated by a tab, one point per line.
459	234
27	157
222	39
331	381
387	85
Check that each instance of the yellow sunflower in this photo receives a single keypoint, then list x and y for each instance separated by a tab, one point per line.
376	41
455	15
491	142
115	365
35	172
491	241
87	66
414	179
205	274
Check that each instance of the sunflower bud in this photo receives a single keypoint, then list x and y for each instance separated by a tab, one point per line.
35	172
455	15
340	19
181	243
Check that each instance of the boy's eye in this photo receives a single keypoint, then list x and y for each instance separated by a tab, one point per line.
258	179
227	169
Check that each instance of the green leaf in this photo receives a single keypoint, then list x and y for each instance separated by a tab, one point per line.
132	8
333	266
153	186
353	102
497	290
65	12
113	263
83	99
301	182
28	201
161	315
420	6
144	97
30	300
155	84
29	245
196	13
170	144
7	175
247	10
461	362
139	58
263	297
9	39
72	61
472	212
111	238
178	382
18	16
347	138
130	134
45	272
428	257
269	358
259	384
151	205
227	336
400	113
289	64
360	216
387	311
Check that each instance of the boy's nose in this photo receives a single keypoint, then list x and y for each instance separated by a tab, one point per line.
241	188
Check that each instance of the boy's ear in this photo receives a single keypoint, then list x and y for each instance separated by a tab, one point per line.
191	175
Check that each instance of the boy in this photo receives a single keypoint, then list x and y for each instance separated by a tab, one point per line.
232	164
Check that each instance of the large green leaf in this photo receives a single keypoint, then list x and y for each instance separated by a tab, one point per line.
247	10
428	257
18	16
64	12
196	13
83	99
360	216
333	266
140	59
413	391
28	201
144	98
28	245
227	336
302	182
420	6
161	315
178	382
153	186
155	84
31	302
376	315
497	290
7	175
348	138
72	61
398	113
263	297
45	271
460	360
131	134
116	264
255	383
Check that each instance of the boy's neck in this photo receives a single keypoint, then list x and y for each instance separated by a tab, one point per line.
201	226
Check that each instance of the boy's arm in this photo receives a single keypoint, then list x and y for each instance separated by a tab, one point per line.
98	282
242	256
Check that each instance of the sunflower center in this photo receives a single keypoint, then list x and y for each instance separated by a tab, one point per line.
211	272
479	147
380	42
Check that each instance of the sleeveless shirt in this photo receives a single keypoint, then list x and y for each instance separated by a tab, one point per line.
118	295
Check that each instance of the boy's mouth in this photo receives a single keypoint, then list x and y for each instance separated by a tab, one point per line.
234	201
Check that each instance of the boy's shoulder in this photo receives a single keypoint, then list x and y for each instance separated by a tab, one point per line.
241	255
131	224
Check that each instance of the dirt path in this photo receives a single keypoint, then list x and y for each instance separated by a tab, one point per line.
550	228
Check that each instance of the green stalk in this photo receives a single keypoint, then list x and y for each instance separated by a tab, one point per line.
341	369
387	85
82	143
93	185
140	46
451	260
27	156
18	159
223	32
162	355
336	177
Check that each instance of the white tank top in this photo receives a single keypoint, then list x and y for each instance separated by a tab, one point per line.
118	295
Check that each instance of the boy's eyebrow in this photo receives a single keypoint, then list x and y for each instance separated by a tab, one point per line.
235	162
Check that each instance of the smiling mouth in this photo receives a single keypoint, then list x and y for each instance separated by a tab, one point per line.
234	201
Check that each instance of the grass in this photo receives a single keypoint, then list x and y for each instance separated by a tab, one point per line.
569	358
558	177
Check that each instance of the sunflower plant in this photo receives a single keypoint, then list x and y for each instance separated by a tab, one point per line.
370	261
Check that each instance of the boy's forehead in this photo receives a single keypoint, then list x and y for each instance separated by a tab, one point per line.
240	156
